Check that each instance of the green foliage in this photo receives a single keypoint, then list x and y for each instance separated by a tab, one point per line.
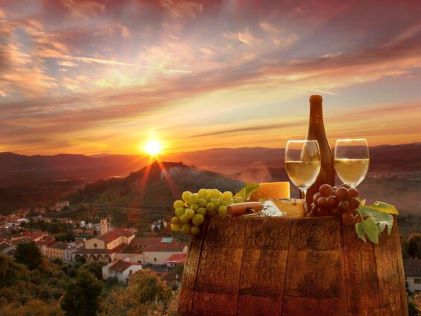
33	307
66	236
376	220
245	193
95	268
28	254
118	218
10	271
412	306
81	297
414	247
62	230
178	268
19	286
385	208
145	293
368	228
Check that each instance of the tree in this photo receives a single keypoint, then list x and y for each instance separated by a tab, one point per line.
53	228
414	247
95	268
29	254
146	292
33	307
412	306
81	297
66	236
10	271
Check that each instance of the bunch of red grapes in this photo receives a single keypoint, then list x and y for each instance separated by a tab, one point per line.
336	201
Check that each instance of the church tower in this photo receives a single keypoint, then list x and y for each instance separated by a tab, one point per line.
104	225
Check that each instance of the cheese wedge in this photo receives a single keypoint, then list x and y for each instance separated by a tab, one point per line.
292	207
271	190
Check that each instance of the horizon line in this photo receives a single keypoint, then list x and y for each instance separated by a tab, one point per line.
175	153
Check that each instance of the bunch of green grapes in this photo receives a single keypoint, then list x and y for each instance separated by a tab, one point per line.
193	208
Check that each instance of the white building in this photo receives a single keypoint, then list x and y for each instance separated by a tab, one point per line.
413	274
59	250
60	205
106	247
104	226
121	270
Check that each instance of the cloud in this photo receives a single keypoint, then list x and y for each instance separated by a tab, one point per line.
102	64
253	128
373	113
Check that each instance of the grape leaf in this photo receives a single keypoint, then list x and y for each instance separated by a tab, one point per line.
382	227
383	220
377	218
371	230
359	228
247	191
385	208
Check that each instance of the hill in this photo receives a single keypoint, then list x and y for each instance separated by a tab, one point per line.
384	159
153	187
17	169
21	169
42	180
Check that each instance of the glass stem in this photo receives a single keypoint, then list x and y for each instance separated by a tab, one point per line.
304	197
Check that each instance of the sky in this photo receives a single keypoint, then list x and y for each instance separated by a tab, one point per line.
97	76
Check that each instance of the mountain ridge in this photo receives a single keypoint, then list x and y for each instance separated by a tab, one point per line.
17	169
155	186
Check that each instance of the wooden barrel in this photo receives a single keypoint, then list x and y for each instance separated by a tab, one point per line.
275	266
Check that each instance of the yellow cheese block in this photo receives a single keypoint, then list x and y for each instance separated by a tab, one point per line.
271	190
292	207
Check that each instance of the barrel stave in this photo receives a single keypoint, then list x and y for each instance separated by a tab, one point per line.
278	266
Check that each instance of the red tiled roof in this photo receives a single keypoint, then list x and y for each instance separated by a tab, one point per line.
119	249
155	244
114	234
121	265
47	240
36	235
177	258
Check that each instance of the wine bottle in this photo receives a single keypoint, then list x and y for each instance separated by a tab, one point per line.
316	131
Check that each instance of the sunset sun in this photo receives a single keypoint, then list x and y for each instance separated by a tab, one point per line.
152	147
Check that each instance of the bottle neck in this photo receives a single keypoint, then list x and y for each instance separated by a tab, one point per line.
316	128
316	113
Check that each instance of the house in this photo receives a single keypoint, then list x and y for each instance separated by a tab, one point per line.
412	269
58	250
27	236
60	205
176	258
121	244
156	250
108	247
120	269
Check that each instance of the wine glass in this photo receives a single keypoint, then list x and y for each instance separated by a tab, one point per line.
302	163
351	160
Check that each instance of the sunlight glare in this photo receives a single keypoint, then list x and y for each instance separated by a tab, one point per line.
152	147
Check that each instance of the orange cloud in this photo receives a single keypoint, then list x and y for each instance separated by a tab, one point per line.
220	73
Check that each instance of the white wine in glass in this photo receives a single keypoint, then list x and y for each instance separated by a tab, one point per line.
351	160
302	163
